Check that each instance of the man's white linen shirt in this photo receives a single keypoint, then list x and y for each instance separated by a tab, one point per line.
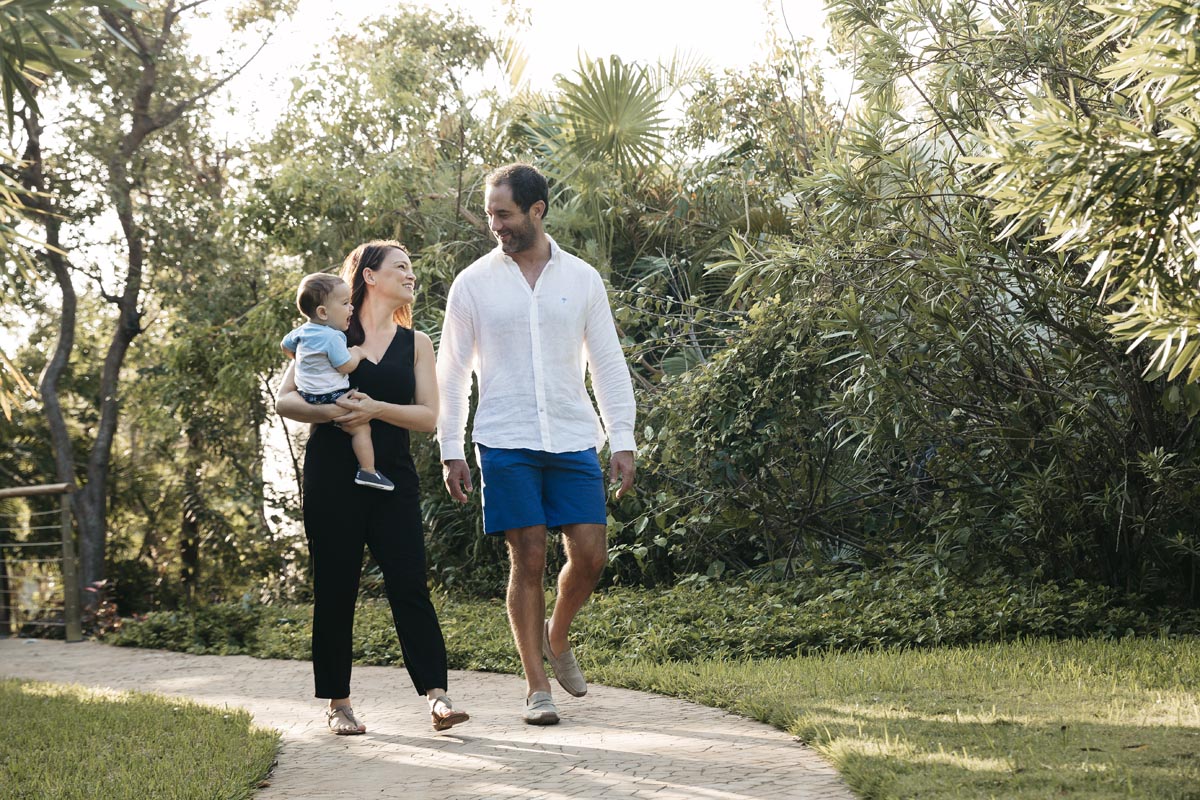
530	348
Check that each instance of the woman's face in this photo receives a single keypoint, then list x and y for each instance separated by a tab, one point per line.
394	279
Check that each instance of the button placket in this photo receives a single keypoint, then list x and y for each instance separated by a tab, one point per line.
539	378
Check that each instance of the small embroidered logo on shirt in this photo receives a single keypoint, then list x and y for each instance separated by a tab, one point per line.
563	299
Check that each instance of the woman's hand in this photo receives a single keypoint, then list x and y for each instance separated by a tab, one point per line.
358	408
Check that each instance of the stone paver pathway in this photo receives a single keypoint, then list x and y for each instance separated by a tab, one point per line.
613	743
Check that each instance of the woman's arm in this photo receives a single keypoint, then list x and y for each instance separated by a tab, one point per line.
422	414
289	403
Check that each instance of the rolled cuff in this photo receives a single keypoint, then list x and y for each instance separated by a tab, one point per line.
453	451
621	440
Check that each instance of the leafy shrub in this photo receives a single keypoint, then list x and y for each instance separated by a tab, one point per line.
737	461
899	606
217	629
913	375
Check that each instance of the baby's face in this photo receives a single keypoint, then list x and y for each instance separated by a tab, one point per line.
338	308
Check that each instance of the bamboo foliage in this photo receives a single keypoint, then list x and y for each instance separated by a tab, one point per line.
1111	177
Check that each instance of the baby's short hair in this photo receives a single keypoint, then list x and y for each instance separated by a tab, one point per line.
314	290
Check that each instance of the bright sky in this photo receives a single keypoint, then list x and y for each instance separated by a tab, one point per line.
725	34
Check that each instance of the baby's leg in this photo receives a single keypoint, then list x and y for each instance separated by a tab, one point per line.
364	451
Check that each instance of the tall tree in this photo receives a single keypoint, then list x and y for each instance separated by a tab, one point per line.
143	94
37	40
382	137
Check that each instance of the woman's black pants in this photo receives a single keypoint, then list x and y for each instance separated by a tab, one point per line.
389	523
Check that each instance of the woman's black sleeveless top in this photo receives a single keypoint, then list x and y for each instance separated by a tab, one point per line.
329	462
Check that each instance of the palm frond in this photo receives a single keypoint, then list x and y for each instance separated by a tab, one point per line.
613	112
683	67
13	386
39	38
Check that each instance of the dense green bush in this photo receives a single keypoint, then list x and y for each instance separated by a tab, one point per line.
902	606
737	458
216	629
912	378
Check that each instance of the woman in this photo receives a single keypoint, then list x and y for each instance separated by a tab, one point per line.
395	389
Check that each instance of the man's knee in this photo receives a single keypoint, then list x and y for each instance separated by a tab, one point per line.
527	552
587	549
593	560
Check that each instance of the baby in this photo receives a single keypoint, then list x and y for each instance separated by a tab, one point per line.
323	361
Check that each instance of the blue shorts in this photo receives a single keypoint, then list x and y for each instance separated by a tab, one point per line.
522	488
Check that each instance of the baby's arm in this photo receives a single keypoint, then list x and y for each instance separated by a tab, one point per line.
289	402
356	356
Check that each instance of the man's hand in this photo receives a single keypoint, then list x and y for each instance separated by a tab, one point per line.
620	468
457	477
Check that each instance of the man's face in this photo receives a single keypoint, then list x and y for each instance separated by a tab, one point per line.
515	230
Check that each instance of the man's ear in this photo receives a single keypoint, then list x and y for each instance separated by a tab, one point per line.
538	209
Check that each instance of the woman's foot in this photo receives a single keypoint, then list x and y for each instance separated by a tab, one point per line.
341	721
443	714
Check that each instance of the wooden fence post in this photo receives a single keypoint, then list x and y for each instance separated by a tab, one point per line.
71	599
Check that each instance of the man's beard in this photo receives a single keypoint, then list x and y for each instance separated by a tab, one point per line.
518	240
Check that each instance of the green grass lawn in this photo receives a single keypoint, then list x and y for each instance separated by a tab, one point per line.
1041	719
68	743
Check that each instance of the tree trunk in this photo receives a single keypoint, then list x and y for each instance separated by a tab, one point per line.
91	500
33	178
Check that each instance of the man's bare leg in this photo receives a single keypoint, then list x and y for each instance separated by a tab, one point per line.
586	547
527	600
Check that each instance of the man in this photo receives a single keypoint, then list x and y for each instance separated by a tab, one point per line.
527	318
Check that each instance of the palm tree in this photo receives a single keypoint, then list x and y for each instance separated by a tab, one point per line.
599	138
614	114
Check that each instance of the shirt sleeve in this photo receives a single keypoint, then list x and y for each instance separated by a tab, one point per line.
456	352
289	342
333	342
610	373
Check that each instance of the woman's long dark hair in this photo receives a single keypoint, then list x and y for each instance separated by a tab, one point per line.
368	255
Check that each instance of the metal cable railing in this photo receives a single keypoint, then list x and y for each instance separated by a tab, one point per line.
39	589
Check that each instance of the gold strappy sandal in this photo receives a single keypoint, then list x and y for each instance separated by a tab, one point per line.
342	722
448	718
